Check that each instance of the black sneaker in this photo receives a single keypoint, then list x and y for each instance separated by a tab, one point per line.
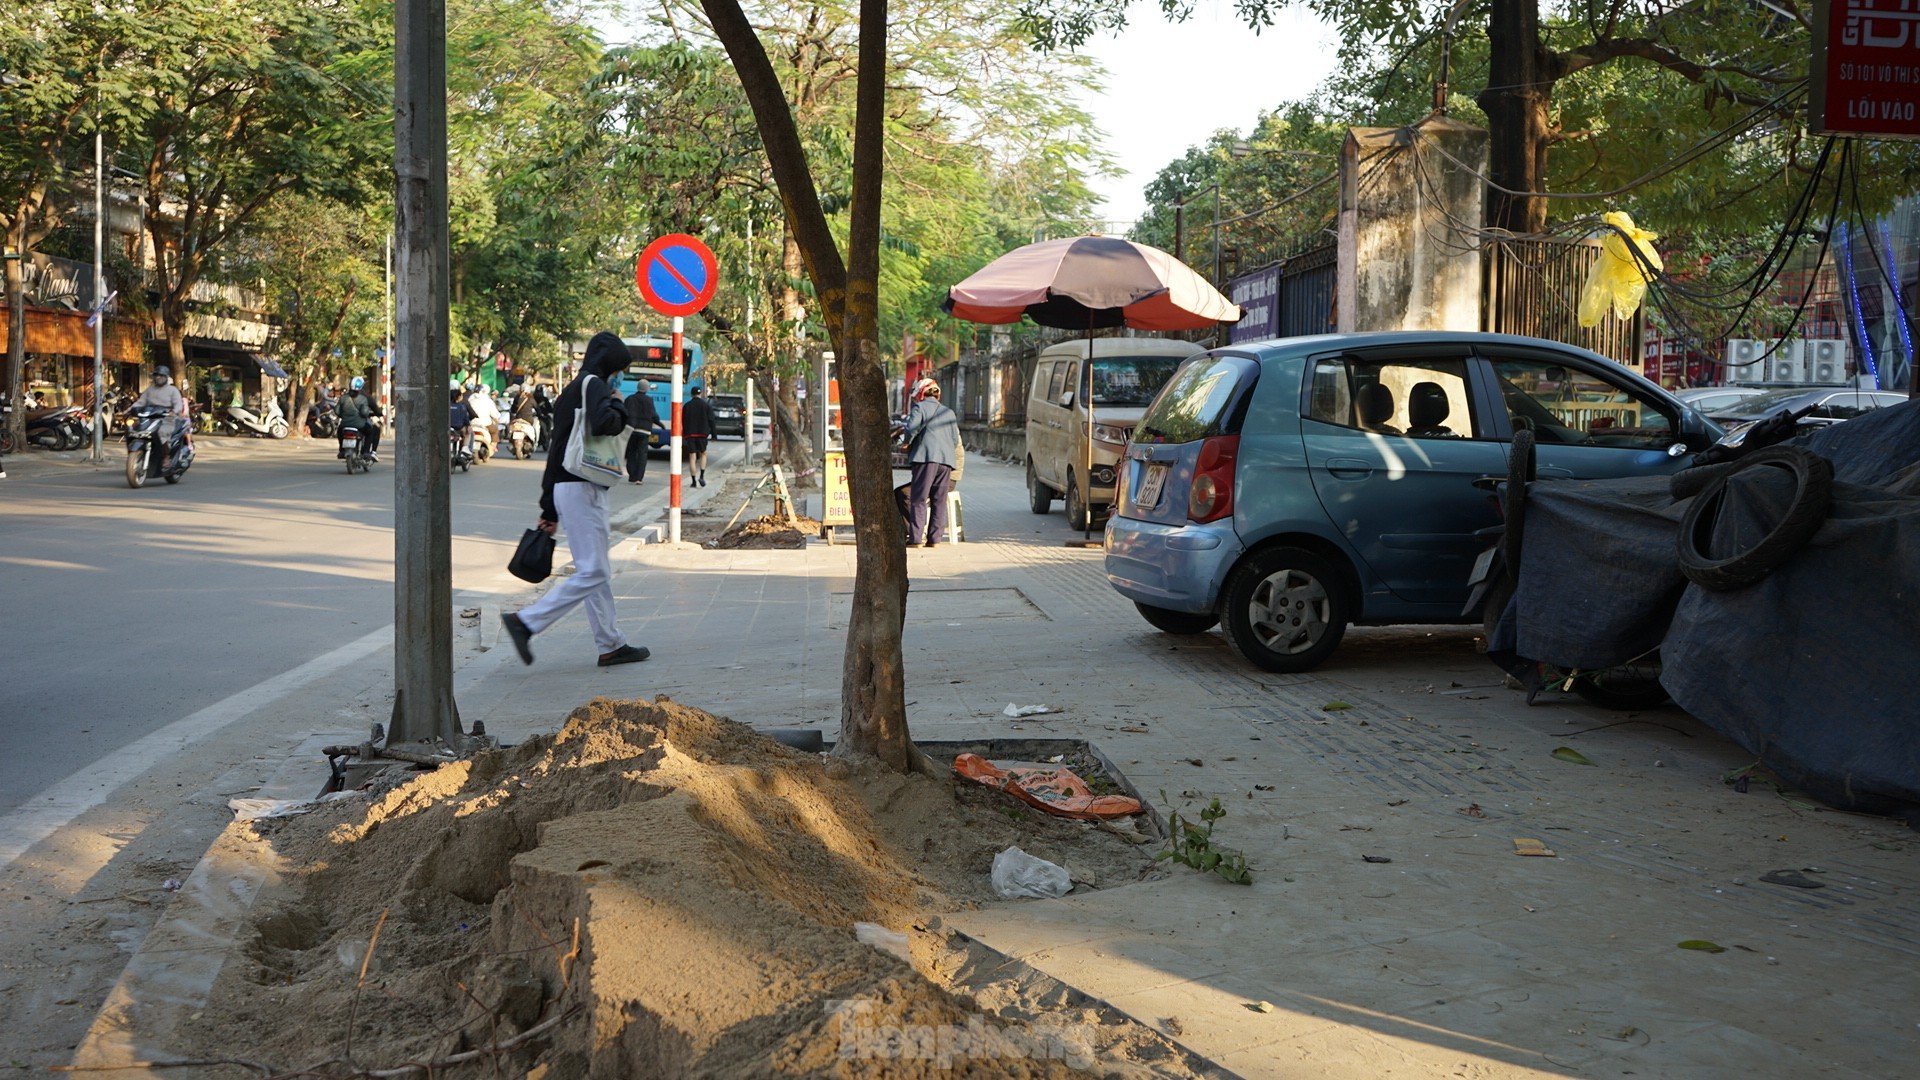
522	637
625	654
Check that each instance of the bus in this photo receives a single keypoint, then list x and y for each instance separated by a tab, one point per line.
653	361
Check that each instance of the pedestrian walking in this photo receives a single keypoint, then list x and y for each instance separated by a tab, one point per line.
580	504
643	417
933	448
696	425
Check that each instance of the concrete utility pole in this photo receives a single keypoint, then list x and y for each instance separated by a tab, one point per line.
423	706
99	292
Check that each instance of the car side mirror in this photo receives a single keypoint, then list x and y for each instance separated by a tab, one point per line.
1678	449
1066	399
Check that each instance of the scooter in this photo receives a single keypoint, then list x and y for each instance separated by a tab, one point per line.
523	435
482	443
322	421
147	448
353	451
58	428
458	452
238	420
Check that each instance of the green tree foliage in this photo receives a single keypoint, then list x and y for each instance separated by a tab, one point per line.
246	102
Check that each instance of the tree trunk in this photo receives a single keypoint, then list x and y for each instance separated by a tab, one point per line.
873	699
1519	92
17	333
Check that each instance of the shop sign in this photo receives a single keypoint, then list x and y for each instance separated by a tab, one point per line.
1866	68
1258	294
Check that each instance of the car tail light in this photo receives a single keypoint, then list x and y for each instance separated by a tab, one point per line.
1211	496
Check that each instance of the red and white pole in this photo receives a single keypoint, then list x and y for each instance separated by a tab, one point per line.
673	452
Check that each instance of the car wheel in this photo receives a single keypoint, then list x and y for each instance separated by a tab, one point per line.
1286	610
1039	495
1079	518
1177	622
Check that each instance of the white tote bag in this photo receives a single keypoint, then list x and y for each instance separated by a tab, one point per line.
597	459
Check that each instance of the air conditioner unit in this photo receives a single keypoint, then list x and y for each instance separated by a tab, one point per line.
1742	357
1826	361
1785	366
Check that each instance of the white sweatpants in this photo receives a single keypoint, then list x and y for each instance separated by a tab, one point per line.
583	518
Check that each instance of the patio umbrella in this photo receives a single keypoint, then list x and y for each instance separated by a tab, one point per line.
1087	283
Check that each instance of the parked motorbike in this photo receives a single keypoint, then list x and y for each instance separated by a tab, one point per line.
523	436
272	424
58	428
353	451
148	447
459	454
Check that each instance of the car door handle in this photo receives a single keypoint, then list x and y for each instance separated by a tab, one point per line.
1555	471
1350	468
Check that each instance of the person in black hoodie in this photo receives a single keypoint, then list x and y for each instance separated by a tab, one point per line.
582	505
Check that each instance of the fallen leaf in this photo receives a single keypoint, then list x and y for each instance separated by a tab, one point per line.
1194	761
1397	802
1524	845
1260	1006
1473	810
1374	858
1702	946
1356	828
1335	706
1263	787
1568	753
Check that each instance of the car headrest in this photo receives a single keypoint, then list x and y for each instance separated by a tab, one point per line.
1374	404
1428	406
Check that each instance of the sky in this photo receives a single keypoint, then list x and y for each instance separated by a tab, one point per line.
1152	109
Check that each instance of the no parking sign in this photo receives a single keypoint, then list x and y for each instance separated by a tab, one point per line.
677	274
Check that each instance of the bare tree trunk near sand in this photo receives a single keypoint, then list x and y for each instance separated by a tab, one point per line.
873	715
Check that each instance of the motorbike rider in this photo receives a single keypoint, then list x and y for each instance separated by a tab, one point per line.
543	408
460	416
356	410
164	395
486	416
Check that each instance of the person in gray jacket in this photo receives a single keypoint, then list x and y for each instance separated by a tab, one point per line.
933	448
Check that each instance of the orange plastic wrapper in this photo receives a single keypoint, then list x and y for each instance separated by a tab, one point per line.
1057	791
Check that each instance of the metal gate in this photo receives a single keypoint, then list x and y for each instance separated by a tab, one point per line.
1533	289
1306	292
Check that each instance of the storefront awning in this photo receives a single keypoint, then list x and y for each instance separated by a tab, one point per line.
271	368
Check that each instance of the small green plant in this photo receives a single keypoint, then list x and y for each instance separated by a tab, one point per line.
1193	845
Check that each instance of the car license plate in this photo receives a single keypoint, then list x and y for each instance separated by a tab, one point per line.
1151	486
1482	566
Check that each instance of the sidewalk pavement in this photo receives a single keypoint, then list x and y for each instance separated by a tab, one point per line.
1456	956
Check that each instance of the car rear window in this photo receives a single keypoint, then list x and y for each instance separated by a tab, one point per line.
1200	401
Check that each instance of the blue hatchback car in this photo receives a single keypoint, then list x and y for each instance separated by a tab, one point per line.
1288	489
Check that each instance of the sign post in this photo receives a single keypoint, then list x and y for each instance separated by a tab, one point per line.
1866	69
676	275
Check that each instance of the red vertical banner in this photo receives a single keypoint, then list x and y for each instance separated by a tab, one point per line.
1866	68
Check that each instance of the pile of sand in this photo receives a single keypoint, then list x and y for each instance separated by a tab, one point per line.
655	892
769	531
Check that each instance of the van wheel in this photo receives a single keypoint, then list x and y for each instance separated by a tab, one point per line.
1286	610
1039	495
1078	517
1177	622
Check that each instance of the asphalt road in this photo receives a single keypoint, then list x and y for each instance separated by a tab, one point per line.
127	610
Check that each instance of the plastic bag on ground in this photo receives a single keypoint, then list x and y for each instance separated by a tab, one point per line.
1058	791
1017	874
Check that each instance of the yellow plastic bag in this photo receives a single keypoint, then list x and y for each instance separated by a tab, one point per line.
1618	281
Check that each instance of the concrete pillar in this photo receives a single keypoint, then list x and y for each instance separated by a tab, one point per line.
1409	258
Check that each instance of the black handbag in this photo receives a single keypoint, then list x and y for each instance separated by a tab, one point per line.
533	559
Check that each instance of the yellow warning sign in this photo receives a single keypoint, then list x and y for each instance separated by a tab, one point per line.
839	499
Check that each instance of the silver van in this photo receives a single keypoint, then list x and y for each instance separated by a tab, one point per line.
1127	374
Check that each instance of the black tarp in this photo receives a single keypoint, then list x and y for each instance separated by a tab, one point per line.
1808	668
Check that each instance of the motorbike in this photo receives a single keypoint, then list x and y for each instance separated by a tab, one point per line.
59	428
238	420
353	451
151	454
322	421
458	452
523	436
483	442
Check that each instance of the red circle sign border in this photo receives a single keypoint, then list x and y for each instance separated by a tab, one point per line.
700	250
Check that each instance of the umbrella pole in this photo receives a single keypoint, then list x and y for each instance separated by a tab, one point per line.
1086	478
